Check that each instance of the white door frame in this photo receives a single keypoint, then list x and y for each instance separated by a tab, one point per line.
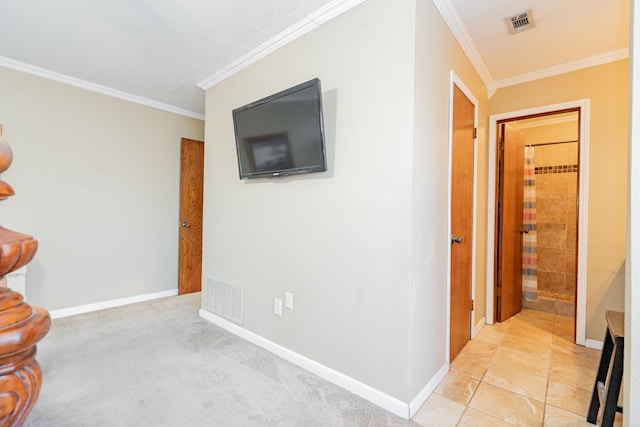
455	80
583	192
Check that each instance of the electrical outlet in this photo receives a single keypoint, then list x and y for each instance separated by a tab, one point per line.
288	300
277	306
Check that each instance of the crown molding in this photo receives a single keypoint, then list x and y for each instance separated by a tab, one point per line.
309	23
460	32
567	67
62	78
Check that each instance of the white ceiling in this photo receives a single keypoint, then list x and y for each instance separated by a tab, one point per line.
159	51
566	31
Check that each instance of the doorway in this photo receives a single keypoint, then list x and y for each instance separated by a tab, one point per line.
552	231
537	214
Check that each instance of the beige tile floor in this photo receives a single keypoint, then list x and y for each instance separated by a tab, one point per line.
525	371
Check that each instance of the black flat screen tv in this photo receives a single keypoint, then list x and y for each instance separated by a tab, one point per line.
282	134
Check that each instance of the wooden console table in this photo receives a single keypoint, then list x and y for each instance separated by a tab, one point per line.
21	326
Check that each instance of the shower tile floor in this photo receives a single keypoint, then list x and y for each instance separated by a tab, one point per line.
552	302
526	371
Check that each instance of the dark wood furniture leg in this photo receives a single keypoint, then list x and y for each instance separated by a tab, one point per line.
609	378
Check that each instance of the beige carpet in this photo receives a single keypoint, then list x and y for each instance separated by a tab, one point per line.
157	363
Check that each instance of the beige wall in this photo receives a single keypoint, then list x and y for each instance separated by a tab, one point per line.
607	88
363	247
97	182
338	240
437	54
564	131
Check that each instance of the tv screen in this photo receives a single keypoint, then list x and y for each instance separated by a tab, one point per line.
281	134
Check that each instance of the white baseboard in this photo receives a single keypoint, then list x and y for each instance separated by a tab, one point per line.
478	327
369	393
64	312
424	394
598	345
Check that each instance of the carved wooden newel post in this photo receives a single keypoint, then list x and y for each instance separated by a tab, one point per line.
21	326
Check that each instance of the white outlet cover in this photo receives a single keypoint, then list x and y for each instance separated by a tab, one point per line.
277	306
288	300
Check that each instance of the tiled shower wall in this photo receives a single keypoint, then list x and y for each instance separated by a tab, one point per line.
556	205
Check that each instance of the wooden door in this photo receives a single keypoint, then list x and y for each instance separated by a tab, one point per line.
191	183
462	165
508	287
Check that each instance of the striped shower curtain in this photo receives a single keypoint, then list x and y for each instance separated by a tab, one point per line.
529	238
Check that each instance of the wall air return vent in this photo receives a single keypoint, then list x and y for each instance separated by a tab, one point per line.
225	300
520	22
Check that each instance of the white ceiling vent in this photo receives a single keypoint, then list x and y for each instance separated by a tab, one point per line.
520	22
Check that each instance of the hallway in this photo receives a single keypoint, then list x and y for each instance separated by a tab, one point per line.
525	371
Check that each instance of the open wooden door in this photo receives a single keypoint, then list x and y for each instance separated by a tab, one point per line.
508	287
191	190
462	173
